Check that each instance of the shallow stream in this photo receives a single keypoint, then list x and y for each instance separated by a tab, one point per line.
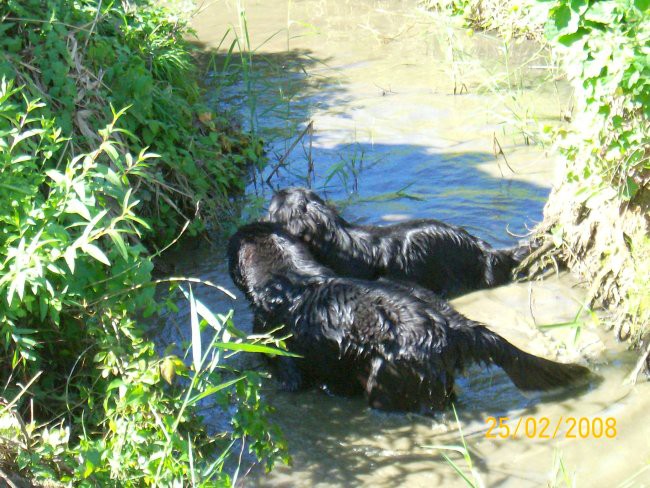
405	105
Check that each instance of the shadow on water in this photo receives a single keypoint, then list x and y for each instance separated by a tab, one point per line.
271	92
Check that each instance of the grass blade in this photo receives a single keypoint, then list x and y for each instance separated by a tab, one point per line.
196	333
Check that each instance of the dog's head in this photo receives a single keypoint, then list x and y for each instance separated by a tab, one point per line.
303	213
262	252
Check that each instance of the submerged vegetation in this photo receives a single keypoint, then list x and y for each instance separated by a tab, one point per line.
510	18
596	220
105	154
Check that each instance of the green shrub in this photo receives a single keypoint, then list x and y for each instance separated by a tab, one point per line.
86	398
605	51
605	47
82	56
510	18
104	407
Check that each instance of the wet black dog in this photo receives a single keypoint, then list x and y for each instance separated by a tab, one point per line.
400	345
435	255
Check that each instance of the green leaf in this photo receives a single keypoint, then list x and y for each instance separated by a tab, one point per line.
111	151
75	206
17	286
43	305
95	252
70	255
642	5
602	12
569	39
205	312
119	243
55	175
168	369
116	383
196	333
89	227
16	189
258	348
26	135
566	20
125	200
562	18
629	189
214	389
109	175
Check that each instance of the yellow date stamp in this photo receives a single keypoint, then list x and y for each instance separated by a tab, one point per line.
546	428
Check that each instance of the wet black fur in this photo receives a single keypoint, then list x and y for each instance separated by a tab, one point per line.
435	255
401	345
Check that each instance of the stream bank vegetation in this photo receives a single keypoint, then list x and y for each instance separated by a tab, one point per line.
596	219
107	154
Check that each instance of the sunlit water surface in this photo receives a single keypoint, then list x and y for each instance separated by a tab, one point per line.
378	79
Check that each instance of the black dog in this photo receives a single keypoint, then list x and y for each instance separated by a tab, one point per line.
435	255
401	345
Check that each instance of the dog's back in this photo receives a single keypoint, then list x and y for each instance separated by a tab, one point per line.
441	257
399	344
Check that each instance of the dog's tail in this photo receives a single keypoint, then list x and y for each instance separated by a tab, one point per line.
527	372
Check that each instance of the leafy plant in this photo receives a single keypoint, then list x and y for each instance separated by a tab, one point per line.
510	18
605	48
605	53
82	57
86	399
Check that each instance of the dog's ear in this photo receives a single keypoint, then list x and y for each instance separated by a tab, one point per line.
241	265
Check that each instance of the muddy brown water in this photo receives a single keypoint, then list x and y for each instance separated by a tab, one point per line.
377	78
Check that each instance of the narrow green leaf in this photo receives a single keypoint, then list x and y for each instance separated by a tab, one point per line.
19	284
70	255
96	253
117	239
43	304
55	175
15	188
75	206
109	175
125	201
91	225
213	389
630	188
242	346
116	383
196	333
458	470
25	135
205	312
111	151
